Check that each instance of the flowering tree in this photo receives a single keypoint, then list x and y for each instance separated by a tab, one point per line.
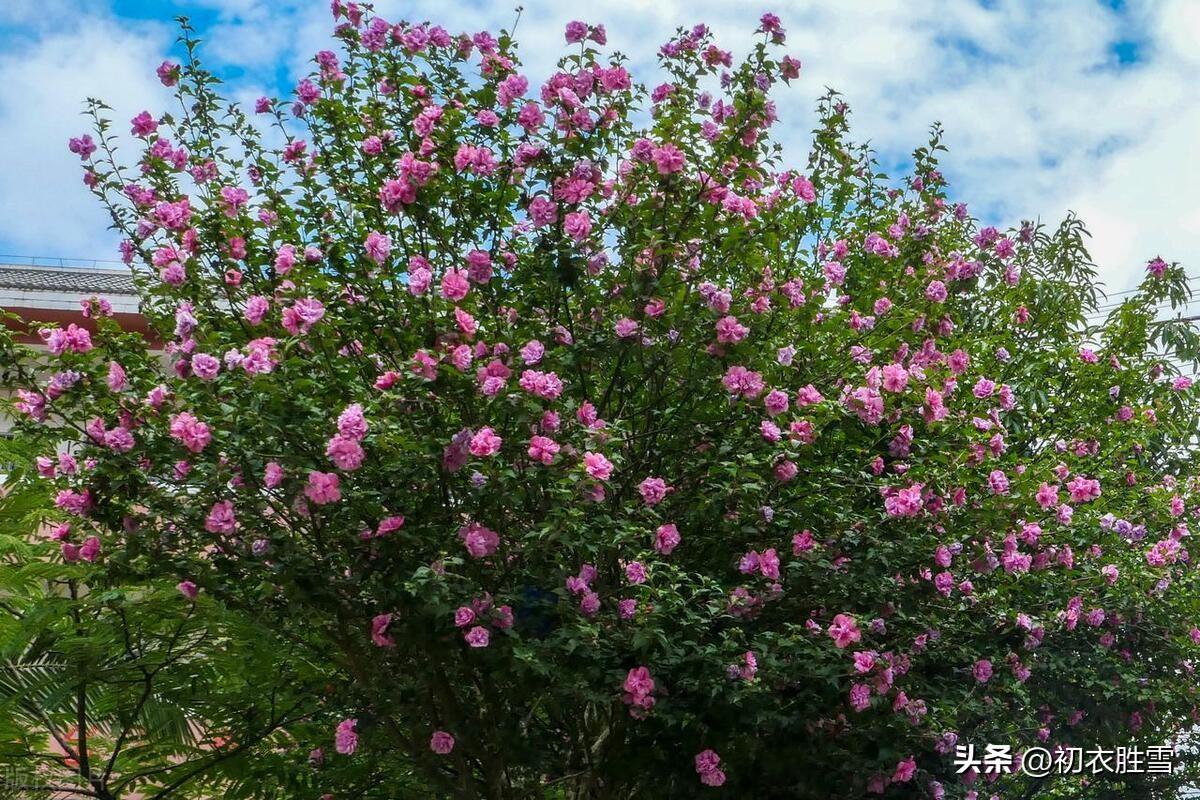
586	457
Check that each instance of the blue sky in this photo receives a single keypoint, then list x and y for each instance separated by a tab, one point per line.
1088	105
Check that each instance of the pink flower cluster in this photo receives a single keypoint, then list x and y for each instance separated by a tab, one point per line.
639	692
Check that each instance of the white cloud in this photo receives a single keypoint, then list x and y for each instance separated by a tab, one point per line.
44	207
1038	116
1142	201
34	12
1179	28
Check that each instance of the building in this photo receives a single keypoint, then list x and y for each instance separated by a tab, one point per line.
51	293
42	291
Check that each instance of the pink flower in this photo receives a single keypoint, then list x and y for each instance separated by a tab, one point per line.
668	159
511	88
345	452
707	768
419	278
1177	504
944	583
190	432
188	589
808	396
860	696
377	247
116	377
542	211
532	352
395	193
590	604
740	381
802	542
234	198
905	502
31	403
220	518
143	124
285	259
768	564
982	670
478	636
441	743
455	284
867	404
576	32
59	341
1083	489
730	331
379	626
666	538
504	617
844	631
804	189
351	423
577	225
90	549
1163	552
905	770
466	324
895	378
119	439
479	266
77	503
345	738
485	443
776	402
653	490
984	388
323	487
479	160
256	309
546	385
479	540
639	689
272	475
597	466
299	318
625	328
205	366
543	449
82	146
747	670
1047	496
